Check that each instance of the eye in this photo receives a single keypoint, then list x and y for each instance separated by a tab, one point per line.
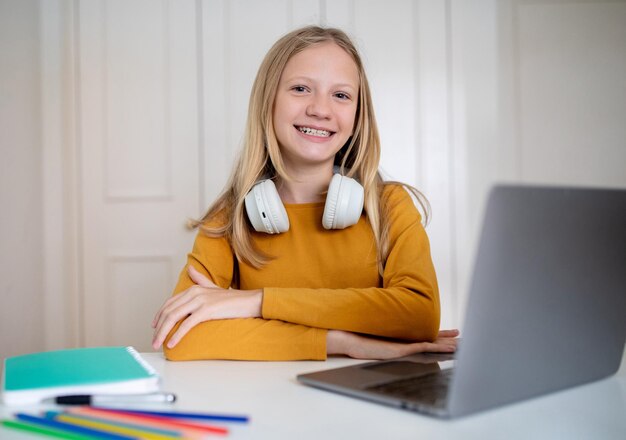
299	89
342	96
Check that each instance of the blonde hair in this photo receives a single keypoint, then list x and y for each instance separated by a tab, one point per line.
359	158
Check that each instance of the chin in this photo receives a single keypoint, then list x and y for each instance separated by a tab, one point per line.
312	157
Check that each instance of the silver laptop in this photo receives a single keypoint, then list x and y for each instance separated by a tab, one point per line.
546	309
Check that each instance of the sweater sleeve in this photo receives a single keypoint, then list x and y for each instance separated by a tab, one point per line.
238	339
406	306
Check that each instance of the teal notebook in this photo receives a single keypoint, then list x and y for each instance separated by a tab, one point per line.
33	377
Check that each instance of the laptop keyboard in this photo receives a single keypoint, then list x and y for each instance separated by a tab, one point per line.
430	389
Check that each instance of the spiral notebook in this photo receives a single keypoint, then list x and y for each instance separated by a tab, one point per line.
31	378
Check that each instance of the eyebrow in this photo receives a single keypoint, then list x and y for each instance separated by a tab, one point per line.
306	78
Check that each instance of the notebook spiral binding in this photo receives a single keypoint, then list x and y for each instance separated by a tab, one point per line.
149	368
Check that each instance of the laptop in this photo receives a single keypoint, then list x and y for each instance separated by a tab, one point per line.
546	309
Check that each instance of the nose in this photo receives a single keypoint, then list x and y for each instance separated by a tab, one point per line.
319	107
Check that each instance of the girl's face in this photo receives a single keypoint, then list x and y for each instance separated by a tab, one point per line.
315	105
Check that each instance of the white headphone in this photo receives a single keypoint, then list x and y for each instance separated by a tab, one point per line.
344	204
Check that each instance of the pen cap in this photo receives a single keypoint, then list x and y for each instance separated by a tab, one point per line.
79	399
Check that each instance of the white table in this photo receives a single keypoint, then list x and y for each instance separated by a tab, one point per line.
282	408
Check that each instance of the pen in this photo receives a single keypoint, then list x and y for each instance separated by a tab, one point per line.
189	429
108	399
69	428
42	430
187	415
115	427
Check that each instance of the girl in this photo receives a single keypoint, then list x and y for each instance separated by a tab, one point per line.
307	252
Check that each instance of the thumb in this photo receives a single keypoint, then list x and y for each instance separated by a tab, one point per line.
198	278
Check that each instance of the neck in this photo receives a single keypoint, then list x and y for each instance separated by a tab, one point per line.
308	186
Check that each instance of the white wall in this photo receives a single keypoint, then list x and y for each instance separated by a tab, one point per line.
21	203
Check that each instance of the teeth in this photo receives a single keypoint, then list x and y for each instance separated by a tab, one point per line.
314	132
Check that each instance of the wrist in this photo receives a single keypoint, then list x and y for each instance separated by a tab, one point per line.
255	303
337	342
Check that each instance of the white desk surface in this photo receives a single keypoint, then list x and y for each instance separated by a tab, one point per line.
282	408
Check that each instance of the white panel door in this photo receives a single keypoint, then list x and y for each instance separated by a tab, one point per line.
138	143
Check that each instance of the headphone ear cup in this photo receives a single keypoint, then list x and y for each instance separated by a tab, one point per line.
330	208
265	209
344	203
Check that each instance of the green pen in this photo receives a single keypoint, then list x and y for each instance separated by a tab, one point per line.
51	432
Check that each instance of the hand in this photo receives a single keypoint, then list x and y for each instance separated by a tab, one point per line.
203	301
363	347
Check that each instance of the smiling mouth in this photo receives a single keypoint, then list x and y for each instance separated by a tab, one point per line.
315	132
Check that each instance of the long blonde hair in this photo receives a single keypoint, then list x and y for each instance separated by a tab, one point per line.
359	158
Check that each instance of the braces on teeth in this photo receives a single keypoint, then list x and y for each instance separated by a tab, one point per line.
312	131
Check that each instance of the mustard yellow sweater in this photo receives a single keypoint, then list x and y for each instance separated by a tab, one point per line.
319	280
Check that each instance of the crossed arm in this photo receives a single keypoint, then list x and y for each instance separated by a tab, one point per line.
204	301
346	307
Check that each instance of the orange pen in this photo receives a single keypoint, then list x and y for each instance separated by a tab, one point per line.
189	429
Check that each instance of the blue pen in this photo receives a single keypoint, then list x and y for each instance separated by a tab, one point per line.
182	415
68	427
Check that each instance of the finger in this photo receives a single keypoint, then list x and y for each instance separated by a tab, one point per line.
439	348
198	278
167	304
161	333
177	301
157	315
447	342
448	333
169	321
432	347
164	308
189	323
